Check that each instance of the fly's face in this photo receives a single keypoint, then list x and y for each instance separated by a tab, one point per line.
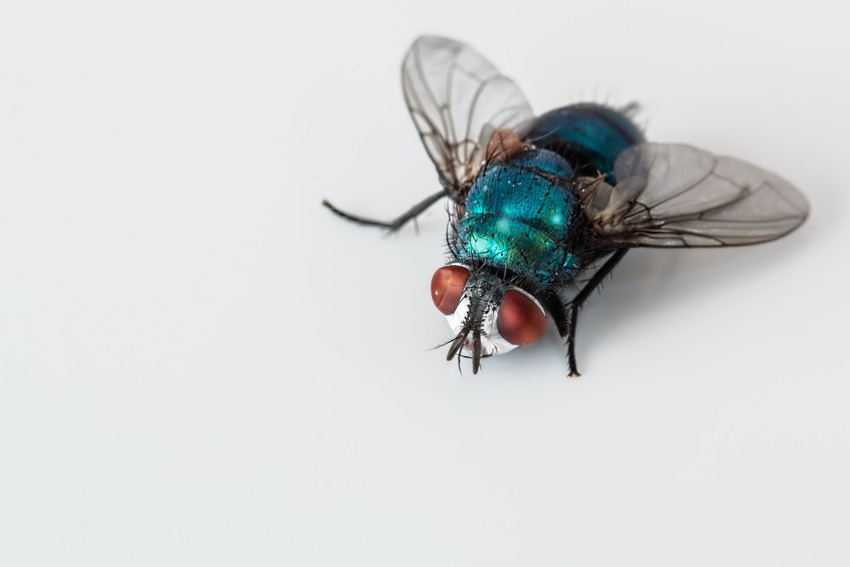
487	316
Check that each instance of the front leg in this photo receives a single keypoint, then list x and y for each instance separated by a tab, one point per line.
566	315
393	225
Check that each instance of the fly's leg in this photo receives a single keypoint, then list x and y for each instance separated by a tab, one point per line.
392	225
566	316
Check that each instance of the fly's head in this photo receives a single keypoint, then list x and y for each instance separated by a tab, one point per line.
488	315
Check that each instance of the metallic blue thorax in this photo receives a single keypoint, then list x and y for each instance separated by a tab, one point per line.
519	214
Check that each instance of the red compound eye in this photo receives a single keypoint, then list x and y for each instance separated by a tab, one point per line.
447	287
521	321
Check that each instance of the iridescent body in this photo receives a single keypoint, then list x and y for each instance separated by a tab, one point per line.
517	215
523	215
590	136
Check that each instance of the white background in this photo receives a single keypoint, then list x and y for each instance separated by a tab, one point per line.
199	365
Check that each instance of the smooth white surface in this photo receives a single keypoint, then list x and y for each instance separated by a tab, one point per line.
199	365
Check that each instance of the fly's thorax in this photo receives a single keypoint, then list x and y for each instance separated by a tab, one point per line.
518	215
485	309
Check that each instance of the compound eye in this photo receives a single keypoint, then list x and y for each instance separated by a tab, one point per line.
521	321
447	287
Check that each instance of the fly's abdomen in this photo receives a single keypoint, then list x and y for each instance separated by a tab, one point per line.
590	136
517	216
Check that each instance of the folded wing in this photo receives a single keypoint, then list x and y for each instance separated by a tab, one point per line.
674	195
457	99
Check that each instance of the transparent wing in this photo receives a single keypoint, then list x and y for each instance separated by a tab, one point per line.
457	99
678	195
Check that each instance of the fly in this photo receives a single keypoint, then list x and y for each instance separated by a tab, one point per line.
544	206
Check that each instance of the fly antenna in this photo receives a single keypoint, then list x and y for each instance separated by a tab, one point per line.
476	351
457	344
